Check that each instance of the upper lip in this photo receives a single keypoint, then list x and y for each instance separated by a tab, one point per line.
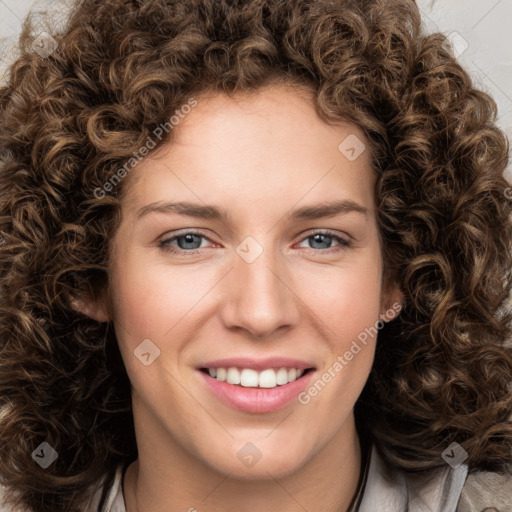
258	364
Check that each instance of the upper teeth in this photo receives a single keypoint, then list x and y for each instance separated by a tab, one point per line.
251	378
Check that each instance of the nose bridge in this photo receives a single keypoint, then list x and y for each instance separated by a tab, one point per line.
257	297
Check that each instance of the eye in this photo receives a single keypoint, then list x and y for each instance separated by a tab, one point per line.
188	242
191	242
324	240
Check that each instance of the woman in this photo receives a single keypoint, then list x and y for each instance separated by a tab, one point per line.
256	256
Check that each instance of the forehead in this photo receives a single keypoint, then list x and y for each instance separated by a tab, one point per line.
262	145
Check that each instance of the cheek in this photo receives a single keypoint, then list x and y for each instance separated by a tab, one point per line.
348	303
134	304
346	298
145	302
145	308
155	302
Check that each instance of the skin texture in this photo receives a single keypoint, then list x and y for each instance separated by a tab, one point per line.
259	157
72	121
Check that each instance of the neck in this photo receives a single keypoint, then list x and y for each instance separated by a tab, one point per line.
168	477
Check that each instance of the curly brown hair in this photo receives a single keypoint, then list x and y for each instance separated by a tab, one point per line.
121	69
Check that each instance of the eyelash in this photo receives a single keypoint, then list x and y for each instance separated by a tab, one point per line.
344	244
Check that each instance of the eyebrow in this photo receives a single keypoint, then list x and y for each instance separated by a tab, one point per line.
215	213
327	210
184	208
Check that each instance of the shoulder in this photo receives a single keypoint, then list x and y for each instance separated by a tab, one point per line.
443	489
4	507
111	488
393	490
109	497
486	491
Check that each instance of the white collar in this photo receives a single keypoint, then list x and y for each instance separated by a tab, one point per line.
389	490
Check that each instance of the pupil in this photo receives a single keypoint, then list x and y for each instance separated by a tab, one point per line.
188	239
317	238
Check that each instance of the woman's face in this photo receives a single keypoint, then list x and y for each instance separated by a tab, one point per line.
252	285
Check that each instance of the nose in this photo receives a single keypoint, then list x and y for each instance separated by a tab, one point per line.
259	296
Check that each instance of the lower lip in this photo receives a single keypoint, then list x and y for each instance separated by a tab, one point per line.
257	400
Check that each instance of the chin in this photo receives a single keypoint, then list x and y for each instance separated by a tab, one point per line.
249	463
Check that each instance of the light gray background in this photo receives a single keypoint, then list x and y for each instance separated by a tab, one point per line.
479	31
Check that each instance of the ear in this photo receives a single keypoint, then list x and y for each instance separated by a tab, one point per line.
391	302
95	308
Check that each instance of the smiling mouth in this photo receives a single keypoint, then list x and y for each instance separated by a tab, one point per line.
249	378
